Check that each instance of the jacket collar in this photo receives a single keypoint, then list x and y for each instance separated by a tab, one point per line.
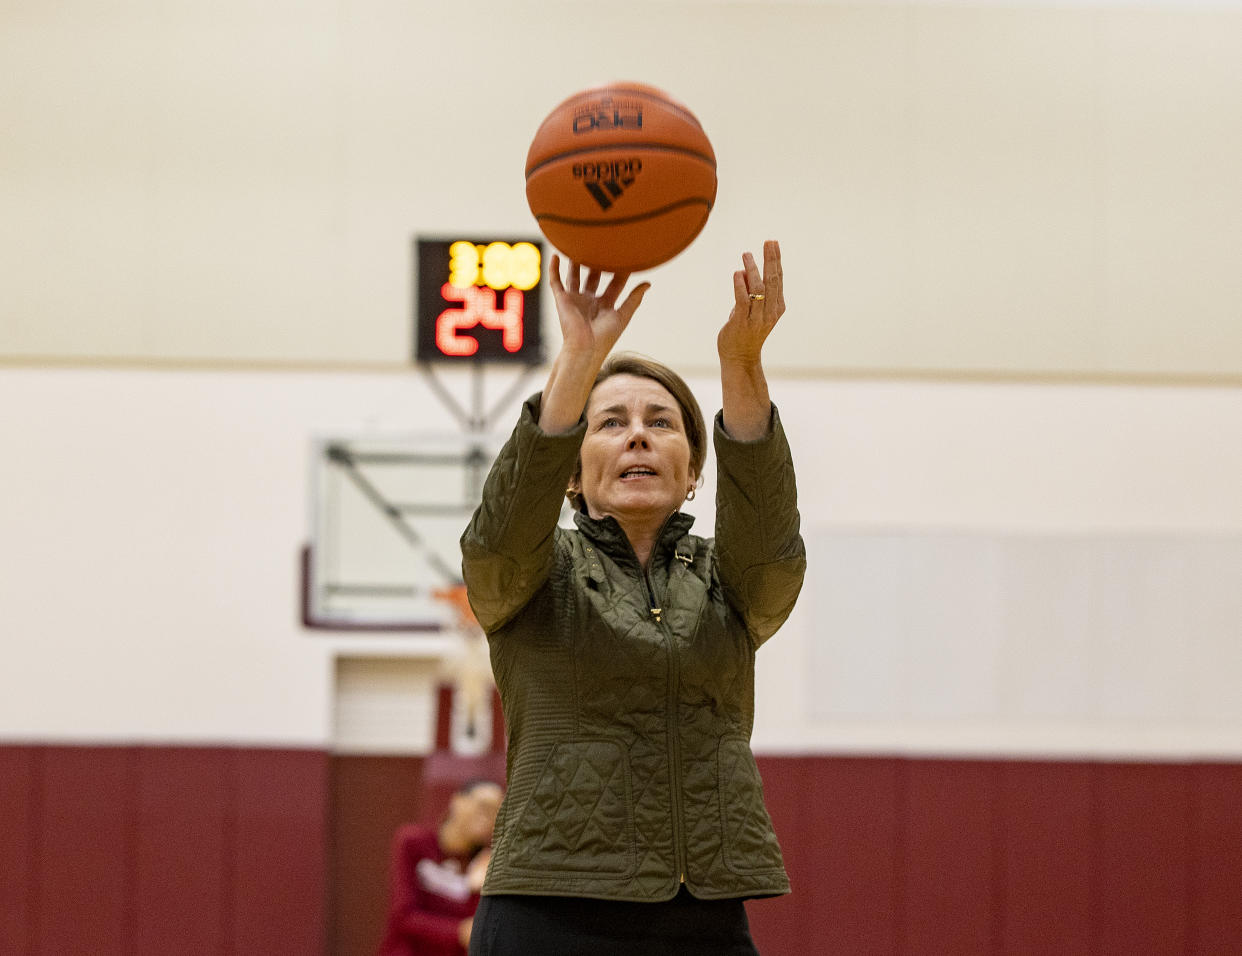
607	534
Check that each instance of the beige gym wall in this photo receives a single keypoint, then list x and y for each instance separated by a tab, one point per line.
1037	189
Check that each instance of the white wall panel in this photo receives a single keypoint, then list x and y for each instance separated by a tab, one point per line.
1078	547
1111	633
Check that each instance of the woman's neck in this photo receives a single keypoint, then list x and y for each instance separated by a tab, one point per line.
643	535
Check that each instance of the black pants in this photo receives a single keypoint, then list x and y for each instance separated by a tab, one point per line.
572	926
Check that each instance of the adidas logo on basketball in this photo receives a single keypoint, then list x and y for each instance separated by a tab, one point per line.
606	181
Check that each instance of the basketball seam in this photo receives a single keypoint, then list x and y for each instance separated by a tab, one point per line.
685	113
710	160
565	220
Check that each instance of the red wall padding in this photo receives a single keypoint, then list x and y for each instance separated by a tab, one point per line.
17	831
1216	835
84	895
185	850
137	850
1004	857
146	850
1046	836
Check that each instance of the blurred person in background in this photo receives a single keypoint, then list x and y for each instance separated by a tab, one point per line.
437	873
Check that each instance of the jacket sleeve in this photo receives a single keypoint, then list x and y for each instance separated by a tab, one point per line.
507	549
760	556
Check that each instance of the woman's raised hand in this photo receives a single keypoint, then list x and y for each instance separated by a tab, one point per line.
758	302
591	321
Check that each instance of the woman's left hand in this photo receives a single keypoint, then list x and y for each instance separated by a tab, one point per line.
758	302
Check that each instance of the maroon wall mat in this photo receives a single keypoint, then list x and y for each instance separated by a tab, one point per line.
1142	858
84	839
185	851
157	850
151	850
371	797
950	857
860	877
1046	834
280	857
17	858
1032	857
843	862
1216	838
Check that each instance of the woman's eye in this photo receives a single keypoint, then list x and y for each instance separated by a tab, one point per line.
610	423
661	423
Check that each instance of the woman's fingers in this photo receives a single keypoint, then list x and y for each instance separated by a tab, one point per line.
765	292
613	291
750	288
754	281
575	284
633	301
773	279
740	292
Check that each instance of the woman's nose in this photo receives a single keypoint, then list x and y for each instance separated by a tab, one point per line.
638	437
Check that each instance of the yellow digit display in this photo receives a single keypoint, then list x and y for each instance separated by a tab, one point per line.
495	260
463	264
525	267
496	265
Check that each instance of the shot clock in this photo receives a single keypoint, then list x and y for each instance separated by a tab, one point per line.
478	301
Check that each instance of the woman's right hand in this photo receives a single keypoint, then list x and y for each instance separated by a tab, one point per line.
591	321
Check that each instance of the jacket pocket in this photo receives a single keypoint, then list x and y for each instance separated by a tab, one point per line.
579	818
749	842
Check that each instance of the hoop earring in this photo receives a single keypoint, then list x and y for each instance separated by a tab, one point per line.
690	494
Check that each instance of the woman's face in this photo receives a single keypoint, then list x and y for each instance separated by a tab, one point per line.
635	456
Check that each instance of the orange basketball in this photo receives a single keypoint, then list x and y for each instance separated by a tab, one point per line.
621	177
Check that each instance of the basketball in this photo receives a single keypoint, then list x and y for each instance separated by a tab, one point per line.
621	177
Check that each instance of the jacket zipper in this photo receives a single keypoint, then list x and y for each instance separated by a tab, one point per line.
674	731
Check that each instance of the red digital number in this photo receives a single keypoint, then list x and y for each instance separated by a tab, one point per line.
478	308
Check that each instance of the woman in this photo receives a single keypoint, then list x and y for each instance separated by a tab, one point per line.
624	650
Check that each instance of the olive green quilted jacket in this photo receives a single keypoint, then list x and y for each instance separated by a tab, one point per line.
629	695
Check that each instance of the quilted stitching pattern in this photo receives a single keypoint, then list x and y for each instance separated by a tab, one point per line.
629	758
762	558
578	814
749	843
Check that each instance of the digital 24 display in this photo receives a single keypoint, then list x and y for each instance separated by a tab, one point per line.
479	301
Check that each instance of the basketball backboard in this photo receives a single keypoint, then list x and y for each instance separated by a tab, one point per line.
387	511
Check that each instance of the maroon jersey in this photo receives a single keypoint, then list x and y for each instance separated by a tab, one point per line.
428	897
